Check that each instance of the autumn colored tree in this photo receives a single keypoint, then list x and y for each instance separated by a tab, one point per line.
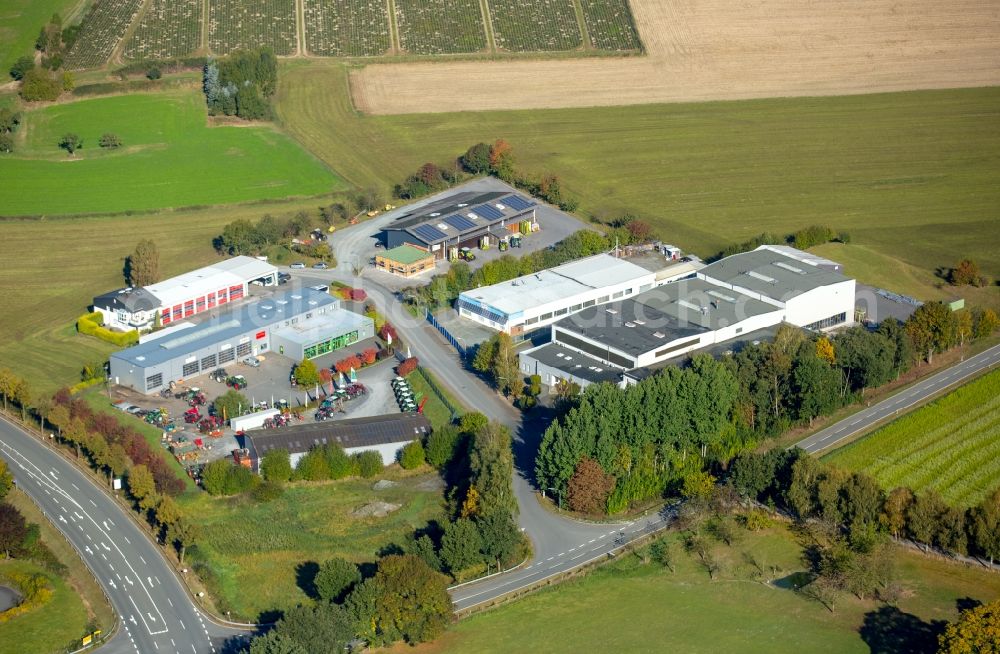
368	356
407	366
502	160
966	274
977	631
639	231
306	373
345	364
894	510
824	350
589	487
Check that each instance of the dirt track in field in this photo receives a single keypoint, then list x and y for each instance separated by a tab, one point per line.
720	50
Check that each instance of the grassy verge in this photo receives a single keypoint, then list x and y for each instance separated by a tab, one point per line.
258	557
169	158
80	580
709	174
52	627
441	408
641	607
949	445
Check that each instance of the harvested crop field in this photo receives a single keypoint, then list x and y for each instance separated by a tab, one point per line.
718	49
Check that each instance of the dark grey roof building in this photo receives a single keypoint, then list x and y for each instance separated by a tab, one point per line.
460	220
385	434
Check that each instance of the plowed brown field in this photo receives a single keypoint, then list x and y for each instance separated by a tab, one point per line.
721	49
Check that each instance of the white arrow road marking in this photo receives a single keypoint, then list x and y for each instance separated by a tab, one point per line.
87	549
112	583
132	618
150	581
151	616
127	579
105	546
63	520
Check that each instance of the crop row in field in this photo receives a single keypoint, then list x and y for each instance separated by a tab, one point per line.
535	25
169	28
346	28
950	445
100	32
610	25
440	26
235	24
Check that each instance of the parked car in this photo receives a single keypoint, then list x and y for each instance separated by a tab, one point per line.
253	362
322	288
133	409
298	265
320	265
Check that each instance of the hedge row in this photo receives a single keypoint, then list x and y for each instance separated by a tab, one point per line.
36	591
92	324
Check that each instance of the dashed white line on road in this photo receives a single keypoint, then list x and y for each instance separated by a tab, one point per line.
171	603
74	485
143	560
182	624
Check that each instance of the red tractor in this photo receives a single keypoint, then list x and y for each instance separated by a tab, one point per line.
212	426
192	415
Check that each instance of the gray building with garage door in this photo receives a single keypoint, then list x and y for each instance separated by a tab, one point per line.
177	355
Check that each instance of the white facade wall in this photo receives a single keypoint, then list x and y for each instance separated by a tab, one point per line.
821	303
532	318
387	450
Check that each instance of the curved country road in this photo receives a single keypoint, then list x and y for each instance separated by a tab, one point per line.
156	614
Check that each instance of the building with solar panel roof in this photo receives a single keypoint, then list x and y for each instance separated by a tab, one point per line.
462	220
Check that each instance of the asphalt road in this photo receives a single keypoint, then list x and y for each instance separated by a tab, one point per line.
900	402
156	614
559	543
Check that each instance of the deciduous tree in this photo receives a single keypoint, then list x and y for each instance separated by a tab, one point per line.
276	465
976	631
335	579
142	267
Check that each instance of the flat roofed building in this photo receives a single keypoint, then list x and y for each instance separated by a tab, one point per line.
751	292
461	220
184	295
405	260
540	299
235	334
813	296
386	434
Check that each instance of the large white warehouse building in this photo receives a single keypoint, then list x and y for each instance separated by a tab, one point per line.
540	299
725	302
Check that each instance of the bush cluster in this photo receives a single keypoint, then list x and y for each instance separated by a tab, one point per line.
92	325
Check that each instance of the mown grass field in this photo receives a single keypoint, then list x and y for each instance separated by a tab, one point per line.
253	550
629	606
950	445
54	267
20	22
170	158
49	628
911	176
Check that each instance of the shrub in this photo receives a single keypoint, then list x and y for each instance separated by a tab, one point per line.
38	86
407	366
369	463
412	456
440	447
21	67
267	491
92	325
109	140
369	355
154	73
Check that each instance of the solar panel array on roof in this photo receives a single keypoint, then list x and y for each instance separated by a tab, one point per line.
488	212
517	203
461	223
428	233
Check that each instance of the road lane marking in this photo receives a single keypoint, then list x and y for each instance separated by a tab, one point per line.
74	485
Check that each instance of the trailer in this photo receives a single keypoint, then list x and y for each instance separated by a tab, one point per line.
252	420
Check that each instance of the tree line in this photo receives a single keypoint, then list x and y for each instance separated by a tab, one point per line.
241	84
669	429
42	82
857	511
248	238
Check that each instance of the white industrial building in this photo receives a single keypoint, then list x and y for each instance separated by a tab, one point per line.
185	295
540	299
724	302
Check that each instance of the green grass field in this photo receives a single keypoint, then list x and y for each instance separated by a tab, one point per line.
49	628
950	445
911	176
62	263
629	606
20	22
170	158
253	550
